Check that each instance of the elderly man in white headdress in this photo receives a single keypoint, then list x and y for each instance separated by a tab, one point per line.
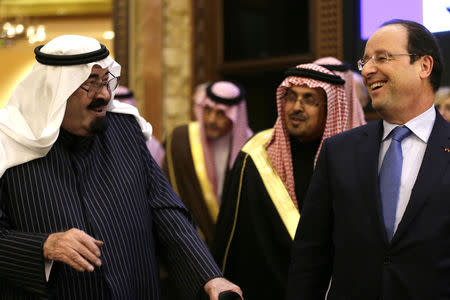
199	154
72	226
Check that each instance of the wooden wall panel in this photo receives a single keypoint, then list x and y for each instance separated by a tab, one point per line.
152	77
328	28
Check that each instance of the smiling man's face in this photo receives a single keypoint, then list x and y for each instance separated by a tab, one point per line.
305	112
85	115
394	85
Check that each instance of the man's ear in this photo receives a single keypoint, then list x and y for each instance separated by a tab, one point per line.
426	66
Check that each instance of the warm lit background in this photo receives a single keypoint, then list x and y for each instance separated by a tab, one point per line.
56	17
167	47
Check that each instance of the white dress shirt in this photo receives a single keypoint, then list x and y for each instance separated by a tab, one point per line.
413	149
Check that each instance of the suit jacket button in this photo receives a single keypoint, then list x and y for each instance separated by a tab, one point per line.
387	260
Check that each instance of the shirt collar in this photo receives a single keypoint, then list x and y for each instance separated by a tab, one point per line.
421	125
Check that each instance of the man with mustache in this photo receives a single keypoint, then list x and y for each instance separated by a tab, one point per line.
263	200
200	154
84	208
375	222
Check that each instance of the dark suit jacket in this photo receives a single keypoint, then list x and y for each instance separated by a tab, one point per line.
341	232
110	187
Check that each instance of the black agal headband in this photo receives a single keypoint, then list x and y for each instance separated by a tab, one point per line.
344	67
313	74
70	60
124	96
226	101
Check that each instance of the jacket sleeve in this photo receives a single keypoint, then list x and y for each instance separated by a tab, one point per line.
187	257
21	254
312	249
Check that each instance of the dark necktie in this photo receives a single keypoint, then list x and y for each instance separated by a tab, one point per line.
390	175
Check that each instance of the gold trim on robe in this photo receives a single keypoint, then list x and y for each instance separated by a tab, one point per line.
256	148
200	169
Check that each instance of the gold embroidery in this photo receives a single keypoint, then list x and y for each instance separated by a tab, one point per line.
238	200
275	187
200	170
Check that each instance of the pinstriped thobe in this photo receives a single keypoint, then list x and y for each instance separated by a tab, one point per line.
109	186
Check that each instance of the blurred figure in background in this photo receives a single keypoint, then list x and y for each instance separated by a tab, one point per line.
442	101
124	95
200	154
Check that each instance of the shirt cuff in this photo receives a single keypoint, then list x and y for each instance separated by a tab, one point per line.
48	268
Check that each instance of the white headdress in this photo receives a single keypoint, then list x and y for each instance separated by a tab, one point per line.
30	122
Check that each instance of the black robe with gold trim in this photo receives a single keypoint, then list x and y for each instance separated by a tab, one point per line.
185	168
257	220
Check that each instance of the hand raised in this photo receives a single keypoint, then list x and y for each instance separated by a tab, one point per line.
75	248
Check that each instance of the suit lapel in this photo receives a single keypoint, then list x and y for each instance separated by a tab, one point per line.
367	159
434	162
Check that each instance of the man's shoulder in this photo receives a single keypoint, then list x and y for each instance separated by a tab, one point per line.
120	122
121	117
355	133
180	136
181	129
259	140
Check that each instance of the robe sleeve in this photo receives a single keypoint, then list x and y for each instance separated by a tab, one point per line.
312	250
186	256
21	254
227	211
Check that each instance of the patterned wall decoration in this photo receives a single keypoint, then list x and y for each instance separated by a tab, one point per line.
328	21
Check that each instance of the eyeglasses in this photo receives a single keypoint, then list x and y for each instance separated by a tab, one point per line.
379	58
95	87
308	100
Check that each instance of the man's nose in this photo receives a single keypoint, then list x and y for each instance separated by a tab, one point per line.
368	69
298	105
104	93
211	117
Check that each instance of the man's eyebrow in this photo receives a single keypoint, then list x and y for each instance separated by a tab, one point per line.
104	77
380	51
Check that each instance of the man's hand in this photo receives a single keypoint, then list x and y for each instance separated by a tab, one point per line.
75	248
217	285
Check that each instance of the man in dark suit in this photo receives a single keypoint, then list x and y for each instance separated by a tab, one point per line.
84	208
376	219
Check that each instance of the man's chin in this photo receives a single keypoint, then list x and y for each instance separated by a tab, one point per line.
98	126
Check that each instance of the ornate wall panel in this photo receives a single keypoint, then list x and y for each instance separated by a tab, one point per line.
328	28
